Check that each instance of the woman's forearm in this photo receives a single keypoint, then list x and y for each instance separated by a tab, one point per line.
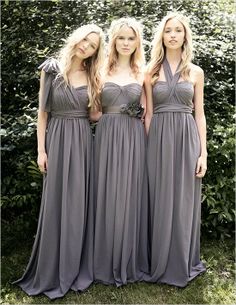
201	126
41	130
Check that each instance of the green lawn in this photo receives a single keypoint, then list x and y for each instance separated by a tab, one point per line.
216	286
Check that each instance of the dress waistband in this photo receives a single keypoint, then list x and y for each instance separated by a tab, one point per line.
69	114
172	108
111	109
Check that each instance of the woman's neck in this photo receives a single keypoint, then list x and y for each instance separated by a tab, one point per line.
123	62
174	56
77	65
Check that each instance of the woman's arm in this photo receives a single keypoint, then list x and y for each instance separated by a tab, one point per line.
95	115
149	103
200	120
41	131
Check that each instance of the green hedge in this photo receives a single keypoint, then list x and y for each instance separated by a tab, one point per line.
33	30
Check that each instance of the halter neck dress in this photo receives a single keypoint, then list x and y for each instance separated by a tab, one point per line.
174	190
61	258
120	248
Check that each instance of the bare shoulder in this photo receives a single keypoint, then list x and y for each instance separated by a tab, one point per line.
147	77
141	77
196	73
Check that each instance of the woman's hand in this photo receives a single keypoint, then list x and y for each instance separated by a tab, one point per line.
42	162
201	167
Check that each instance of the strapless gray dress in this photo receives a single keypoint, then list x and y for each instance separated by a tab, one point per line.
61	258
120	248
174	190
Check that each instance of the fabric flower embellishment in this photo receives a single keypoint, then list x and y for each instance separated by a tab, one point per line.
133	109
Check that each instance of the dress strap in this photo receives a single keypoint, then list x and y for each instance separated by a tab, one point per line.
171	79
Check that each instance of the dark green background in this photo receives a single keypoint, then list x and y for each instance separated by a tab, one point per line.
34	30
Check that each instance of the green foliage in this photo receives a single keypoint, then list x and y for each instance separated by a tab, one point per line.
34	30
218	194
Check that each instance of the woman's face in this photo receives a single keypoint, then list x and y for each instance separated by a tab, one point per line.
174	34
87	46
126	41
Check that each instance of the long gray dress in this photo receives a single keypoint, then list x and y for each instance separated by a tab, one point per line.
61	258
120	248
175	192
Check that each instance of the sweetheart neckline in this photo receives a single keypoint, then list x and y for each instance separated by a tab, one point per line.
165	82
122	85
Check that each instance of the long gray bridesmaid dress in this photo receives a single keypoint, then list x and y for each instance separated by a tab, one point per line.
61	258
174	190
120	248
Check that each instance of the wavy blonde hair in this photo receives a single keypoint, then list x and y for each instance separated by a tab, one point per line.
137	59
158	48
91	64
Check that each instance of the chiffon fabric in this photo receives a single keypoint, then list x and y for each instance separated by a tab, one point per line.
174	190
121	245
61	258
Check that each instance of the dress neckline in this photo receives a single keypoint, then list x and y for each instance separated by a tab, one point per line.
113	83
79	87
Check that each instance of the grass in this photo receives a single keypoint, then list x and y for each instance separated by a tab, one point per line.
216	286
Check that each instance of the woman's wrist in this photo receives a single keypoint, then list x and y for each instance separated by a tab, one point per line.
203	154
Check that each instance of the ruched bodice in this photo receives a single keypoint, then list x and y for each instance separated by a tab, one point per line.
114	95
68	100
172	95
60	99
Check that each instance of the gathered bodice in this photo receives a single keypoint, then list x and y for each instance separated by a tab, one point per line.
67	98
172	95
59	99
117	95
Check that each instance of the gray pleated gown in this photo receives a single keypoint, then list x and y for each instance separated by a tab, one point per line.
120	248
61	258
175	192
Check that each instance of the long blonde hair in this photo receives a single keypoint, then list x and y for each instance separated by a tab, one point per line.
158	48
137	59
91	64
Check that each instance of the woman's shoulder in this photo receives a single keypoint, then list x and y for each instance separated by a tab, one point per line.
195	69
50	65
141	77
196	74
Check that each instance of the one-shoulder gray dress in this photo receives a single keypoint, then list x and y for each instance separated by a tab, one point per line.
120	248
61	258
174	190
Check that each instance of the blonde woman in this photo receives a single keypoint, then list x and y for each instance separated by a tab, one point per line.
62	253
120	248
177	153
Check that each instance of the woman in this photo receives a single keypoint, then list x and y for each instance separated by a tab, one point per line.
120	248
62	253
177	153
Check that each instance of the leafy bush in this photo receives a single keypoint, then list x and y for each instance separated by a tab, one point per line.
33	30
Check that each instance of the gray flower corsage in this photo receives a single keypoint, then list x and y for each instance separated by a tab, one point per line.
132	109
